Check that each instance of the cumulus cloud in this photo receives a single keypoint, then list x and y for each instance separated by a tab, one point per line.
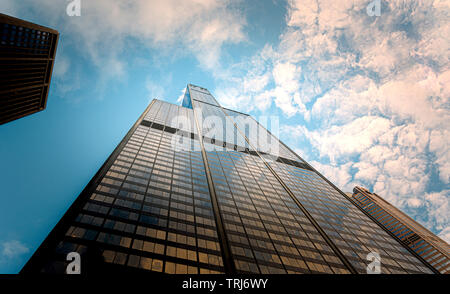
374	92
439	145
338	175
349	139
437	204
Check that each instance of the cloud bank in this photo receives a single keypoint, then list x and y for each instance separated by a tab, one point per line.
372	94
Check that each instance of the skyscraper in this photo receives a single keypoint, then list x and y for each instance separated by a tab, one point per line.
27	55
429	246
199	188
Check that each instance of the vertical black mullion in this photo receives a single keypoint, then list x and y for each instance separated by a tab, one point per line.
413	252
169	209
270	204
239	214
256	211
307	214
224	245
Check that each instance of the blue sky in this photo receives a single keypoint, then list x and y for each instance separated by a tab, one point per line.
364	99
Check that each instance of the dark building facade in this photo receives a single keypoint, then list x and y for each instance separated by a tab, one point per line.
199	188
27	55
429	246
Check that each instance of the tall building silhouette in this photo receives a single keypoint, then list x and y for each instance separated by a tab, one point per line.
27	55
429	246
199	188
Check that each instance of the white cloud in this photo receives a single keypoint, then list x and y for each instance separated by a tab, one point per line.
391	113
376	91
106	28
349	139
338	175
256	83
437	205
439	144
12	249
367	172
414	202
61	67
155	90
263	101
286	76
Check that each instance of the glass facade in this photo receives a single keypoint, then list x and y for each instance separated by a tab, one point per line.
27	52
266	230
191	189
429	246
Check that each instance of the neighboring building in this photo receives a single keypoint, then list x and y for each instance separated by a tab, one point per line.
27	55
429	246
199	188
